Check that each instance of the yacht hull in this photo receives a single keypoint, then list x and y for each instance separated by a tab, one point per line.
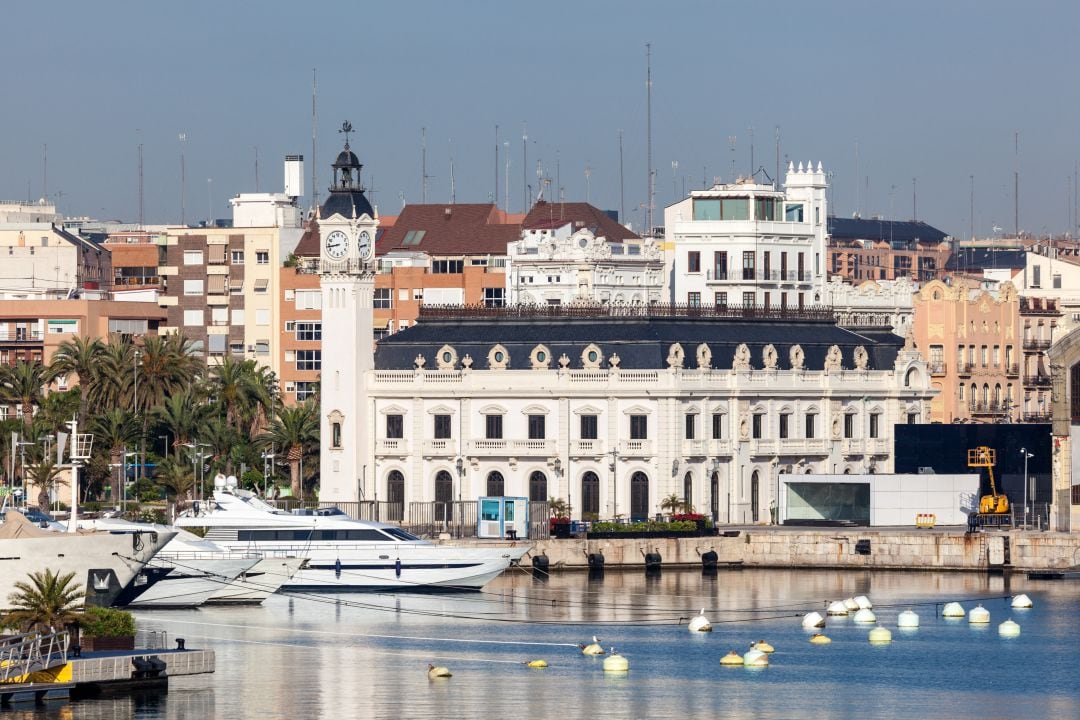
264	579
191	582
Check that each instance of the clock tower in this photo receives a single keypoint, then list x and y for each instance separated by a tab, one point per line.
346	225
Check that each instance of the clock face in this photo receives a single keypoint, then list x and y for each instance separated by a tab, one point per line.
363	243
336	244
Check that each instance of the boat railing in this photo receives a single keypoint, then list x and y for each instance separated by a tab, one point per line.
25	654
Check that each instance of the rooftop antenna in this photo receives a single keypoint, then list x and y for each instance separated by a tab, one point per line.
674	182
256	168
1016	183
753	170
526	192
858	199
506	176
588	172
314	136
622	194
496	165
972	179
45	170
453	193
914	202
423	165
558	177
140	184
648	133
731	142
776	181
183	181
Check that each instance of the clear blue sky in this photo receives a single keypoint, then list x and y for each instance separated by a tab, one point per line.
932	90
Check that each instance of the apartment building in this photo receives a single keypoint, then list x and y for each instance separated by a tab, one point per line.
41	260
877	249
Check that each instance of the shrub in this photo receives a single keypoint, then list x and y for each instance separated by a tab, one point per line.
107	622
650	526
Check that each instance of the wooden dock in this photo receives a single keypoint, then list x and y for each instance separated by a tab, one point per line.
138	667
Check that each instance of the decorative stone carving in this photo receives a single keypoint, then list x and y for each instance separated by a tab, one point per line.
613	360
419	362
564	361
592	356
498	358
836	427
446	358
540	358
675	356
744	427
834	359
769	357
861	358
909	340
797	357
741	361
466	362
704	357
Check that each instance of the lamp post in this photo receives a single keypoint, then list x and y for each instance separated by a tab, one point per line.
123	478
556	467
22	463
1026	454
614	483
266	467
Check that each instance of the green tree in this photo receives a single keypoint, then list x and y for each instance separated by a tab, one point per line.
181	416
45	476
238	388
23	384
293	432
47	601
79	356
115	429
177	479
672	503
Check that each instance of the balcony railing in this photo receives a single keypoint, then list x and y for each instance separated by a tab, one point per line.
1037	416
1038	380
937	368
1012	370
693	448
442	446
587	447
511	447
22	336
988	408
758	275
635	448
763	446
1036	344
964	368
391	446
719	447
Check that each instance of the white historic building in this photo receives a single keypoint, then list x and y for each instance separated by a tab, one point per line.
749	244
873	303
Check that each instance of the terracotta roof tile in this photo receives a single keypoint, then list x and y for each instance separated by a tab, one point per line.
545	215
457	229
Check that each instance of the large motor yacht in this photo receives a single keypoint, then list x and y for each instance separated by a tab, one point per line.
103	562
345	555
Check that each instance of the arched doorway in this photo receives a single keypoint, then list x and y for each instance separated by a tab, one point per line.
590	494
495	484
688	492
755	491
538	486
714	496
395	496
639	496
444	496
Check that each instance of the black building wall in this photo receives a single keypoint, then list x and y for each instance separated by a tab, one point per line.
945	447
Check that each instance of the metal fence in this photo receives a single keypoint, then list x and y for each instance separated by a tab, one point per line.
1038	516
429	519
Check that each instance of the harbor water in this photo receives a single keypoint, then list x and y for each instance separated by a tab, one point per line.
364	656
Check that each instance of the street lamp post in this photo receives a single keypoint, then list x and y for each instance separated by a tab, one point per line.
614	483
1026	454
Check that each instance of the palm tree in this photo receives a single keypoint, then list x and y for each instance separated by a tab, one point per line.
47	601
45	476
177	479
672	503
79	356
114	376
23	384
115	429
237	386
181	416
166	366
293	431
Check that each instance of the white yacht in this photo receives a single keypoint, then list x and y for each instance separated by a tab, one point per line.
343	554
103	562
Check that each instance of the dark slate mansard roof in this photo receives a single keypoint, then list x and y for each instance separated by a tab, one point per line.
642	342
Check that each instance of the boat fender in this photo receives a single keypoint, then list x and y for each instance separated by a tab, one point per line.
709	560
397	567
337	568
596	561
541	562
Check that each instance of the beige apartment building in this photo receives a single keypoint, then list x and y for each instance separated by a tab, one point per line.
971	338
40	260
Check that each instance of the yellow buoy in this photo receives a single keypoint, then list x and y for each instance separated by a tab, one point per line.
732	658
880	636
593	648
537	664
616	663
978	615
755	658
1008	629
1022	601
762	646
819	639
437	672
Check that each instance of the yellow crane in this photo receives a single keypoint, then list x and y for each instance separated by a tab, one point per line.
995	503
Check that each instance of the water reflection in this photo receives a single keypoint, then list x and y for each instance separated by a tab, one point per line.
368	656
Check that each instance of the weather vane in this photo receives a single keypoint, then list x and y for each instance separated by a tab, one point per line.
346	127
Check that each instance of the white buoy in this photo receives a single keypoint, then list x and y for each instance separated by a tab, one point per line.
863	602
1008	629
953	610
978	615
813	620
700	623
907	619
616	663
755	658
731	659
865	615
593	648
437	672
837	607
1022	601
850	604
880	636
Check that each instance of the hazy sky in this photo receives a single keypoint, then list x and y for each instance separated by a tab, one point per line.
930	90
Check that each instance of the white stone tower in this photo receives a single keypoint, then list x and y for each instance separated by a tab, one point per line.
810	186
346	224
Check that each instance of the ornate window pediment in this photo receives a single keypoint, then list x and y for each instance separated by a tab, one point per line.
441	410
493	410
446	358
540	357
592	356
587	410
637	410
498	358
392	410
535	410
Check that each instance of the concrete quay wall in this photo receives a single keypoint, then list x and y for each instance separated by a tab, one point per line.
831	548
118	668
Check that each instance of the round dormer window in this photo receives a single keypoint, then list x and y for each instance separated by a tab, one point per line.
447	357
593	357
583	242
499	357
541	356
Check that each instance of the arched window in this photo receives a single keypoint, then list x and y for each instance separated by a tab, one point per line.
639	496
986	394
755	495
590	494
538	486
997	394
395	496
495	484
444	496
688	492
714	495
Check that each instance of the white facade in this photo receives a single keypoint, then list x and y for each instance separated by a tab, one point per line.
1053	278
750	244
20	211
558	266
874	303
615	442
894	500
278	210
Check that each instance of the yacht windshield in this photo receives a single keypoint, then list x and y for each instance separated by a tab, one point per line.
399	534
259	504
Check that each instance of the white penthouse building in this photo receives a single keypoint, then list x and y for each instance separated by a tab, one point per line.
749	244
